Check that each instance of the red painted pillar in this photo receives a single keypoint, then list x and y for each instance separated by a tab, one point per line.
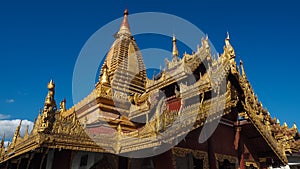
239	145
242	162
237	138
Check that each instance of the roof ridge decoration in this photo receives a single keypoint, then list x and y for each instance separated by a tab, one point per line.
280	138
48	113
62	129
26	134
16	135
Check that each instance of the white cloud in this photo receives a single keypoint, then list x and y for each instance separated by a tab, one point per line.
4	116
9	127
10	101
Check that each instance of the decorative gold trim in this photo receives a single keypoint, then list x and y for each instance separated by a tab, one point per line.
61	129
248	163
182	152
222	157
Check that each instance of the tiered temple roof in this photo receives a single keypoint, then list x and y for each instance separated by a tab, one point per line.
128	112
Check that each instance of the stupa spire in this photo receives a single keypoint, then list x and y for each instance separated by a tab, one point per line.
124	28
175	50
124	69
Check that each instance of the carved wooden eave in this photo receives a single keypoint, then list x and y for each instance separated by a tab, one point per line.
279	138
70	136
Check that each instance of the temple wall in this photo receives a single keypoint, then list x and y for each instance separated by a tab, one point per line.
219	146
79	159
62	159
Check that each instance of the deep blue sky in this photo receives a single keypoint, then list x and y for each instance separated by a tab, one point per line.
40	41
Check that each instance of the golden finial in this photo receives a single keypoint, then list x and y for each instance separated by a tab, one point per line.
62	105
228	49
174	38
228	36
119	128
50	95
294	126
124	28
46	119
51	85
277	121
175	50
285	125
227	40
126	12
242	68
104	78
204	42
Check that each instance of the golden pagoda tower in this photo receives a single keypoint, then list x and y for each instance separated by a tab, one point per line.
124	63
